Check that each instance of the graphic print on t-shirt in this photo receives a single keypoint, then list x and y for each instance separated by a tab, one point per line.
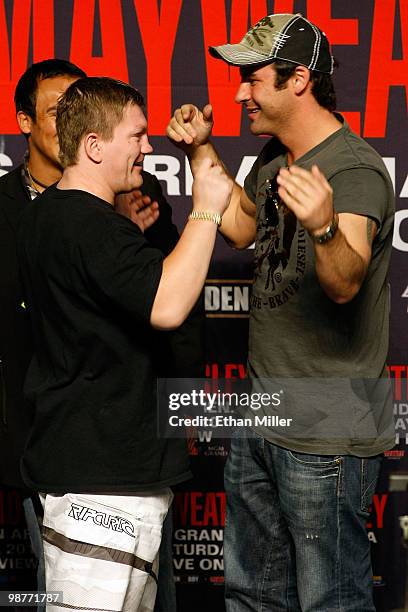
280	256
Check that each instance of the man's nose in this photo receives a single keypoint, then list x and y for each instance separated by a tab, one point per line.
243	93
146	146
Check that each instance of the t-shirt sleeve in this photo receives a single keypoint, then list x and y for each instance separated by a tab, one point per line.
122	269
250	183
361	191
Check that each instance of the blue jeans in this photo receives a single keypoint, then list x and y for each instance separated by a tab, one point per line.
295	536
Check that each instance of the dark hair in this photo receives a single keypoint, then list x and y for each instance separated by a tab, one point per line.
322	84
91	104
25	95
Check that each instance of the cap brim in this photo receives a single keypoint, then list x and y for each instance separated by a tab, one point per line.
238	55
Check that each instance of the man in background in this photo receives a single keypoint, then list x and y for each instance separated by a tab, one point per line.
36	97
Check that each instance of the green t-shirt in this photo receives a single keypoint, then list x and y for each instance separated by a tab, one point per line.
320	351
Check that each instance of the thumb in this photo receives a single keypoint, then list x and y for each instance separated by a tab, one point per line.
208	113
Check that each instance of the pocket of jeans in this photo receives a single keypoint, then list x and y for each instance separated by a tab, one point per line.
370	469
319	461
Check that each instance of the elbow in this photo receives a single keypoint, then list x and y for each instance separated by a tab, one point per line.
346	295
239	245
166	319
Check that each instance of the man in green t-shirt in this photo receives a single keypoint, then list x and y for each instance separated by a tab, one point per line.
318	203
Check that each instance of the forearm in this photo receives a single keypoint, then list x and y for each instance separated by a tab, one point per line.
237	227
190	129
343	248
340	269
183	276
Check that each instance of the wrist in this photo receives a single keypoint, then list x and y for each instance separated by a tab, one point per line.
327	232
206	215
198	152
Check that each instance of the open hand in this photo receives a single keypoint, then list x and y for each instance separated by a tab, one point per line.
309	195
138	208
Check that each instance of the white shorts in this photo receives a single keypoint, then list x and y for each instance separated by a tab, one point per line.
101	551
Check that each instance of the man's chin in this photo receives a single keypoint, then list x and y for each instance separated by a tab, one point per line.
255	128
260	130
137	177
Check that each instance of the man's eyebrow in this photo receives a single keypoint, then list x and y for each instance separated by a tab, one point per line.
246	72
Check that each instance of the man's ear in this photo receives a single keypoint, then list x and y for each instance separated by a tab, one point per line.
25	122
300	79
93	146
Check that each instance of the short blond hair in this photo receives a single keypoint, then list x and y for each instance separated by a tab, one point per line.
91	104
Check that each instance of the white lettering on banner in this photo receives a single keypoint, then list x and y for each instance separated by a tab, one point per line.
187	564
243	171
401	424
404	190
397	241
389	163
211	564
204	436
189	177
10	563
404	294
189	550
401	409
167	168
401	439
227	298
5	162
169	174
192	535
152	164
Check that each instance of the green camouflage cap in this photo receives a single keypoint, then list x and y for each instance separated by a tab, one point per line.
284	36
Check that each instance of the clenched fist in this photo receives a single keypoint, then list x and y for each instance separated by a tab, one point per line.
189	127
212	188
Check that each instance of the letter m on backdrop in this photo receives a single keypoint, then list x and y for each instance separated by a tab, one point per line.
27	16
